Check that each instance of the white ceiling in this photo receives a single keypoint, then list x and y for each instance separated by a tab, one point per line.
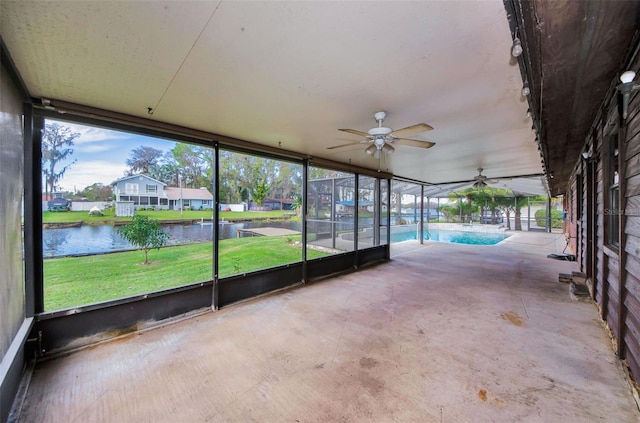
293	73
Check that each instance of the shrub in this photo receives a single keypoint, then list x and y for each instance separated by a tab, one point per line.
556	218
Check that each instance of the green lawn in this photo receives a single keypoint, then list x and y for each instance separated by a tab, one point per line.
83	216
76	281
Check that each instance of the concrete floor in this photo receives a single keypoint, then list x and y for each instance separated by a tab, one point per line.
442	333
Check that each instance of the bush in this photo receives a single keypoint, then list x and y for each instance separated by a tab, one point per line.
556	218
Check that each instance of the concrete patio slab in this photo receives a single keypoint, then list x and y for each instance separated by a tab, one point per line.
441	333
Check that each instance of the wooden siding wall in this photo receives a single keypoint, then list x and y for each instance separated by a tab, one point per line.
615	274
630	219
573	218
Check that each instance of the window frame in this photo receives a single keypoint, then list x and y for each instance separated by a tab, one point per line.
612	189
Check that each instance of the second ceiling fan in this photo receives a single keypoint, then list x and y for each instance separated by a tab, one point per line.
382	138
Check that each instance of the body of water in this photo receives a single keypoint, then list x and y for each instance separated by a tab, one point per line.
458	237
96	239
93	239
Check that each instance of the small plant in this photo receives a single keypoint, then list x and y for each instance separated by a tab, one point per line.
236	265
289	240
145	233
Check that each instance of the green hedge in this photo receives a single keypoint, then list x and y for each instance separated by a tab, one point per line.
556	218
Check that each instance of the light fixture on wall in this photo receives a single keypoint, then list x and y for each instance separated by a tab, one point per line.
525	90
516	50
626	88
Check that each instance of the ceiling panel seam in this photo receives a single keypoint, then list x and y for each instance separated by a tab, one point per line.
186	57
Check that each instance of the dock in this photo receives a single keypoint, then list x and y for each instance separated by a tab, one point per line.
266	232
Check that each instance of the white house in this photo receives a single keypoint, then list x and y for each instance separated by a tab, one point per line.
145	192
192	198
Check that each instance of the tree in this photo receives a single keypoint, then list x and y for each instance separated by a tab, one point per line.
145	233
260	191
96	192
141	159
506	205
57	141
519	203
195	163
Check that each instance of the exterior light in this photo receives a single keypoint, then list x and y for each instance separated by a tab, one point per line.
516	50
626	88
627	77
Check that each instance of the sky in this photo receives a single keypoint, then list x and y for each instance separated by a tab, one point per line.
101	155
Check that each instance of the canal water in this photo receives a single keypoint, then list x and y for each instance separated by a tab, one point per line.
93	239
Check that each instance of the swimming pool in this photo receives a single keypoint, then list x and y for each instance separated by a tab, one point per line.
457	237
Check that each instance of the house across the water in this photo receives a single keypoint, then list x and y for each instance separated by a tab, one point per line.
143	192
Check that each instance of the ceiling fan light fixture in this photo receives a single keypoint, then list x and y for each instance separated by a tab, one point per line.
371	150
388	149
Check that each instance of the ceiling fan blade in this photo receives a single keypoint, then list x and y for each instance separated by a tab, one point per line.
414	143
355	132
346	145
410	130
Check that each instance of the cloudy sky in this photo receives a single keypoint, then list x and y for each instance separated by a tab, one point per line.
101	154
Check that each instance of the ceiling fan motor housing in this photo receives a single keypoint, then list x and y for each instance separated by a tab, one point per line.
379	131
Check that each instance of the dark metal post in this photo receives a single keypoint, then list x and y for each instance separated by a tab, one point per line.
388	218
215	224
421	231
34	288
34	125
333	212
528	214
356	227
303	214
377	209
549	214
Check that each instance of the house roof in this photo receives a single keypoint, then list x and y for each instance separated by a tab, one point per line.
136	176
174	193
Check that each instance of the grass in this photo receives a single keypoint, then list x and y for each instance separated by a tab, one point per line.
75	281
109	218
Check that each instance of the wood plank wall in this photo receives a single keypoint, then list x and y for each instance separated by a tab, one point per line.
615	278
631	236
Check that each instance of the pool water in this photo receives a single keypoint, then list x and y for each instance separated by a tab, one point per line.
458	237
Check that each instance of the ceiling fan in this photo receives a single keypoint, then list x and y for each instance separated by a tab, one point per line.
481	181
381	138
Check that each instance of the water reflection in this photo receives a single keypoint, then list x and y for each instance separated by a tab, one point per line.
90	239
93	239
